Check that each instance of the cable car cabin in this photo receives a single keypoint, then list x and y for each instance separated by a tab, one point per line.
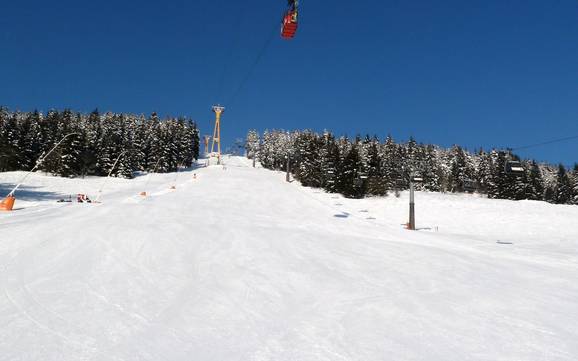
289	27
514	167
415	177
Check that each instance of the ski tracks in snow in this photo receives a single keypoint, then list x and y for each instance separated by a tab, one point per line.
239	264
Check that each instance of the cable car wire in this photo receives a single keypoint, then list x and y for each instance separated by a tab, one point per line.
232	46
249	73
546	143
245	79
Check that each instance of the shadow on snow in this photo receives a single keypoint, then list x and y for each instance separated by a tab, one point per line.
28	193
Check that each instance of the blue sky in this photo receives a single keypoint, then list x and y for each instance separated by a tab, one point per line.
493	73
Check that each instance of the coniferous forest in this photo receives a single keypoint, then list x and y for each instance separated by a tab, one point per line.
369	167
148	143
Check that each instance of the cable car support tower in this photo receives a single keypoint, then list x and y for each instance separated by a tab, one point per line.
206	140
218	110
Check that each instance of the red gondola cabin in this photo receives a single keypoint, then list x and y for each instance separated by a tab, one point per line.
289	25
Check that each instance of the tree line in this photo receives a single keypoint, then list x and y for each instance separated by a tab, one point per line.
369	167
146	143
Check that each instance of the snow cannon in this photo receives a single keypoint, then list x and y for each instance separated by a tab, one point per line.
7	203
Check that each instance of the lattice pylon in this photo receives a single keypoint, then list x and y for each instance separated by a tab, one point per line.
207	138
218	110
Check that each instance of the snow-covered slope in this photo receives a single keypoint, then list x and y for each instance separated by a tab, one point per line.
239	265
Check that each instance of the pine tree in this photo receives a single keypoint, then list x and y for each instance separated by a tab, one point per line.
498	184
30	139
329	163
252	144
266	154
411	158
348	174
155	137
392	163
69	162
461	169
575	184
9	135
376	182
307	160
124	150
51	131
194	142
88	157
96	143
550	194
563	193
535	190
484	172
431	172
108	144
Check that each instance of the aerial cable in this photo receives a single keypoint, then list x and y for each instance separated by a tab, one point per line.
546	143
253	66
229	55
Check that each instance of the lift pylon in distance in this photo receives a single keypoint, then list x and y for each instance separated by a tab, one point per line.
207	138
218	110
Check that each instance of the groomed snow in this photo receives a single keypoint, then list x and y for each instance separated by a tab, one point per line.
239	265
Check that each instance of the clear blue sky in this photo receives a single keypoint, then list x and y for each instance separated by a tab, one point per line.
500	73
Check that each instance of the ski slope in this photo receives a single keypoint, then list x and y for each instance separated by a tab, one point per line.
239	265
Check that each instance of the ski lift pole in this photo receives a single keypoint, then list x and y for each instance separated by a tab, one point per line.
411	225
413	178
38	163
108	177
144	193
174	185
288	175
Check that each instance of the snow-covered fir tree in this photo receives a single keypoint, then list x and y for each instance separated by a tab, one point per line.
431	170
252	144
376	181
563	194
366	167
329	161
97	142
535	189
307	159
575	184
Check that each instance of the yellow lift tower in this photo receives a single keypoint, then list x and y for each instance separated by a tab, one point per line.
206	139
218	110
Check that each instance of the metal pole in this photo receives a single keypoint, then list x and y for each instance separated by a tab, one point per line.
38	163
411	206
154	171
108	177
288	176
